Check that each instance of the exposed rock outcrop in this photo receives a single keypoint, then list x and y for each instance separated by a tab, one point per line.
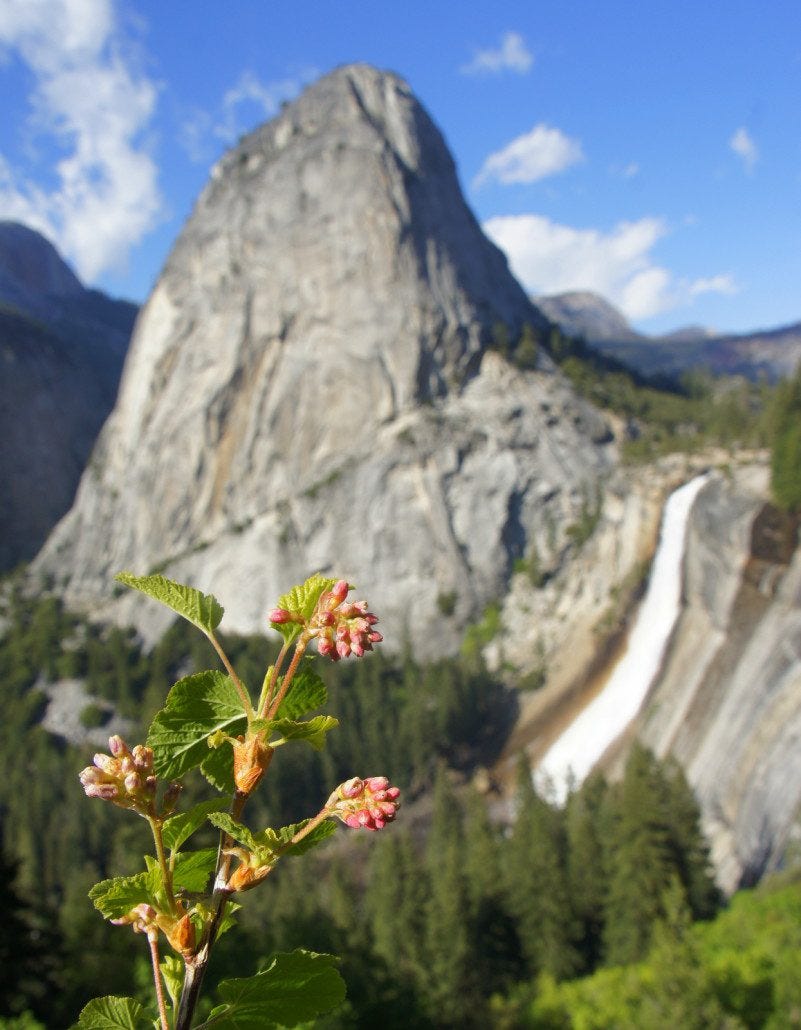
309	388
728	703
61	350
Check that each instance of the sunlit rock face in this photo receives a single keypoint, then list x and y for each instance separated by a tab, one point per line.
728	704
309	388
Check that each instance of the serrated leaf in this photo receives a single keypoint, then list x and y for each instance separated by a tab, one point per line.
241	834
116	897
312	731
172	969
306	693
179	828
218	768
112	1013
196	707
296	987
314	837
301	600
193	869
202	610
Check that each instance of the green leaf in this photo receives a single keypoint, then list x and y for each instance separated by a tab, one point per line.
202	610
218	768
116	897
312	731
302	600
229	825
306	693
193	869
196	707
112	1013
172	969
180	827
321	832
295	988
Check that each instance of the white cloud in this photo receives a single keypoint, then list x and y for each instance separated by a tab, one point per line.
744	147
535	155
512	55
243	106
551	258
714	284
95	109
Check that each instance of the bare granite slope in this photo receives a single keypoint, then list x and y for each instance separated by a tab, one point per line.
308	388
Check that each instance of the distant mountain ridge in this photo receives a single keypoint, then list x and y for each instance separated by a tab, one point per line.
62	348
771	353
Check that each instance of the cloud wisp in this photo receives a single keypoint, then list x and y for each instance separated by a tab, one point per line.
512	55
551	258
90	112
534	155
247	103
743	145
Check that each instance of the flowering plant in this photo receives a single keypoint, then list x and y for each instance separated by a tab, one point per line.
210	722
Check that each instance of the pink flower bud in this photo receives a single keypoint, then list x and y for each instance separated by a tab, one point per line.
142	758
106	791
365	804
279	615
106	763
352	788
117	746
133	782
340	589
343	648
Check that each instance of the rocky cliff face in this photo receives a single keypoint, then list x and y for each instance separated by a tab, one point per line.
309	388
62	349
728	703
727	700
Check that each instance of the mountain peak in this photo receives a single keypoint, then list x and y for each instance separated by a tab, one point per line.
30	266
308	387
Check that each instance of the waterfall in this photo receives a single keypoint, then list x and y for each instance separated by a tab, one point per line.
575	752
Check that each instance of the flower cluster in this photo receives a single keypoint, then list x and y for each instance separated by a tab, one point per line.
341	629
124	777
365	804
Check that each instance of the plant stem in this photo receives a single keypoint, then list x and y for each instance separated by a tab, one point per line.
166	872
153	941
290	672
244	697
268	693
196	964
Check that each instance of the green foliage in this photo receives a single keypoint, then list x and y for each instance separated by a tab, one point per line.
312	731
301	600
293	989
202	610
116	897
112	1013
786	453
196	707
580	531
307	693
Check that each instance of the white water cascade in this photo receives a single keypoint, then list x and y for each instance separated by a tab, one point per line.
575	752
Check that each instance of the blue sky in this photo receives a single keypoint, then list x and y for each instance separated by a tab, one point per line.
648	151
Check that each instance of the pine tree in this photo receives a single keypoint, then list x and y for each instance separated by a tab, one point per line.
536	880
641	860
587	831
446	942
786	453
